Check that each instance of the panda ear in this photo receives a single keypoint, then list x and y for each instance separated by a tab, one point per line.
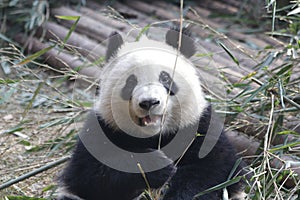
115	41
188	47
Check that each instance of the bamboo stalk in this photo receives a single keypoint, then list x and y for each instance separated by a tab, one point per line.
34	172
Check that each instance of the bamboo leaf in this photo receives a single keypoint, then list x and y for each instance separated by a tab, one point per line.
285	69
229	53
261	88
35	55
288	132
70	18
36	92
73	27
250	75
142	32
220	186
14	129
294	12
292	144
18	127
201	55
234	168
8	81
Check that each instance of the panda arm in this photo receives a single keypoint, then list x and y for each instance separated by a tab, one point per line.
195	175
89	179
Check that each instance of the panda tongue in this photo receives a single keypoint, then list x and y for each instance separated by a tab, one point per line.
147	120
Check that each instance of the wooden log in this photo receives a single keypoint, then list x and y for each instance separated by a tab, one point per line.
219	7
245	145
87	47
235	46
86	25
151	10
100	17
129	12
62	61
234	3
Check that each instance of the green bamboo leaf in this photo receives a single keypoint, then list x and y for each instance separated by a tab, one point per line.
14	129
35	55
292	144
36	92
234	168
65	17
48	188
142	32
201	55
220	186
267	61
229	53
285	69
288	132
56	122
250	75
73	27
8	81
18	127
261	88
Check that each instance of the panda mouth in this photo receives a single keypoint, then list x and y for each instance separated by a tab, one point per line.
150	120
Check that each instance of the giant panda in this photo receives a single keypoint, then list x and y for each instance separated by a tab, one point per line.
150	95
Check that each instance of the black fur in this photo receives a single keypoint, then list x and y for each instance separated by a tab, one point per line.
115	41
168	83
187	48
89	179
131	82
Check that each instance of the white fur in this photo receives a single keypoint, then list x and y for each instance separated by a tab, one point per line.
146	59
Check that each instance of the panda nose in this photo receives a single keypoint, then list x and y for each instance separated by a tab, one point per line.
147	104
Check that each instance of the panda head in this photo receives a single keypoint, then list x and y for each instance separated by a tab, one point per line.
147	87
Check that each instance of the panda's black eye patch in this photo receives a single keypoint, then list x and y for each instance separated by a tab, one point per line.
166	80
131	82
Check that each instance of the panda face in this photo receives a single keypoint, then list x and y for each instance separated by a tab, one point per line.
147	104
143	94
148	100
148	93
